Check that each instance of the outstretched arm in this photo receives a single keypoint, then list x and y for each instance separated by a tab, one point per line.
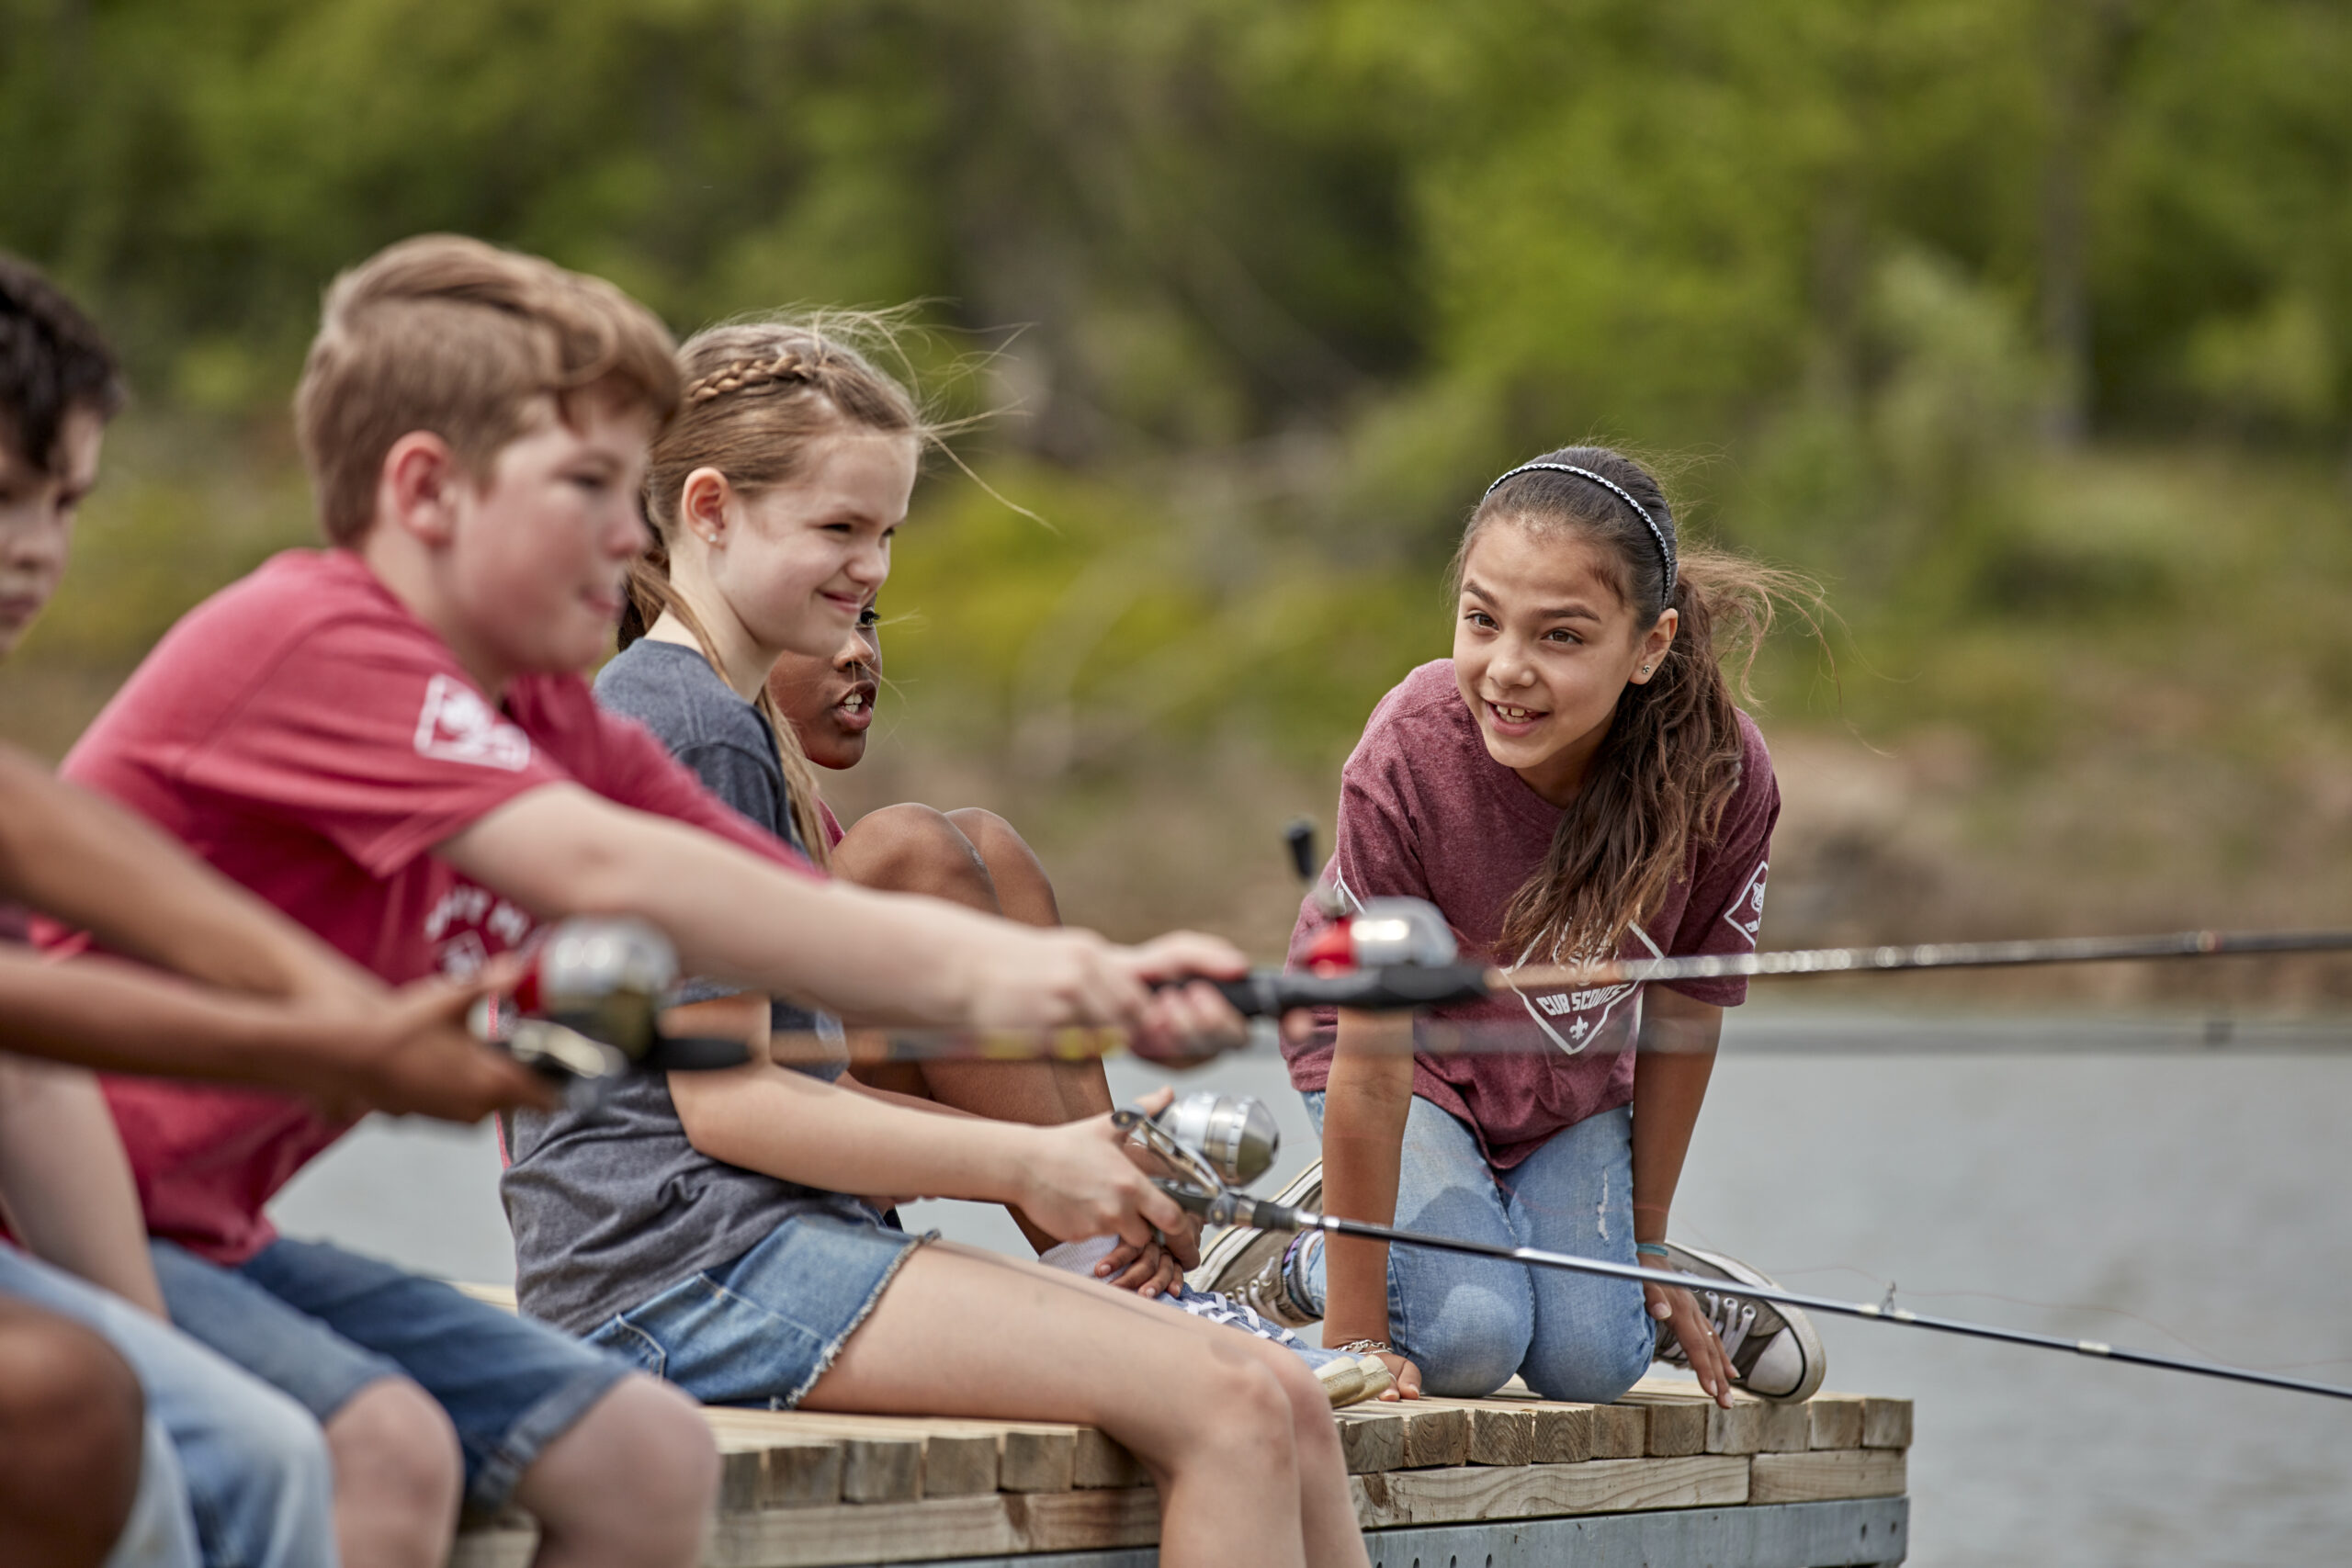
1678	1055
333	1031
1365	1103
85	860
881	957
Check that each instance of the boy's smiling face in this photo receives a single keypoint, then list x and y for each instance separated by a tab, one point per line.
530	563
37	509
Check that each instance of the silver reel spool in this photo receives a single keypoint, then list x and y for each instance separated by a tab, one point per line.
1229	1137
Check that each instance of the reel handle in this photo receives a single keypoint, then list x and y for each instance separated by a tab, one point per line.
1233	1208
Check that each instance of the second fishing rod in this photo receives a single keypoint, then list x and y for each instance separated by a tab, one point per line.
1212	1142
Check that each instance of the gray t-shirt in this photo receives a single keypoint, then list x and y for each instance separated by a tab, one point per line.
612	1206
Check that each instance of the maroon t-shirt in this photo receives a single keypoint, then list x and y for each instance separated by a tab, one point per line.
1426	813
305	733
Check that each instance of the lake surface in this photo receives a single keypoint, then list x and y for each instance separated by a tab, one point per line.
2195	1196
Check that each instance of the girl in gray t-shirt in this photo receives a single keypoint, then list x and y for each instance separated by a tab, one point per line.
725	1230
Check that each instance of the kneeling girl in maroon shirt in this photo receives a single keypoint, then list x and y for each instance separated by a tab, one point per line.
1574	782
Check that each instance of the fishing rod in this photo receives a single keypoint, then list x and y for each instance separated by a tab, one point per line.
1201	1186
1390	954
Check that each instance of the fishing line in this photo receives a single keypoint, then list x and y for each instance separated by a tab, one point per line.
1201	1185
1232	1207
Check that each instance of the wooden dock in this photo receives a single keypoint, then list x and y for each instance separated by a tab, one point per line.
1662	1478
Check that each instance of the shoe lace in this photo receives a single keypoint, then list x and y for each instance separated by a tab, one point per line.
1730	1316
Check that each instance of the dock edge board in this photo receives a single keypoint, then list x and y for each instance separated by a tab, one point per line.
1865	1532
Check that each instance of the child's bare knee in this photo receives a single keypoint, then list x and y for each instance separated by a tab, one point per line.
911	848
392	1442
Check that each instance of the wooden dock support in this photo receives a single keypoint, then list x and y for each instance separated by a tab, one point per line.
1664	1474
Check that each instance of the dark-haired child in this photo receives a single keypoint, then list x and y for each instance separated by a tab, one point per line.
231	1471
1574	783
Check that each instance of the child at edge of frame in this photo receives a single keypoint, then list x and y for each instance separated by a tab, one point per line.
1576	782
121	1439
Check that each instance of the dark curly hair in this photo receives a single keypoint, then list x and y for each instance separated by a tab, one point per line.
51	359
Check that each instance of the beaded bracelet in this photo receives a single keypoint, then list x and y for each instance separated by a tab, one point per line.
1367	1346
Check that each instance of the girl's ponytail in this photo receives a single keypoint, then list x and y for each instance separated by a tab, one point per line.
1657	790
650	596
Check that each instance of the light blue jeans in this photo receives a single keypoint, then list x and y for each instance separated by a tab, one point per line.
253	1473
1470	1323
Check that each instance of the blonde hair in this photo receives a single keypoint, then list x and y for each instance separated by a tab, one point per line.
758	396
448	334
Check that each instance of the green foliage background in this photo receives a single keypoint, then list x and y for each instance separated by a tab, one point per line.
2026	325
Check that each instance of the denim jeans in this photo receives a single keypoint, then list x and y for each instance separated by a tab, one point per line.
761	1329
321	1324
258	1485
1470	1323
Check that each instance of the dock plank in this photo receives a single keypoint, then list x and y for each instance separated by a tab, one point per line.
1738	1430
1677	1421
1597	1486
1373	1440
1100	1463
1826	1474
1620	1431
1836	1421
1436	1435
1886	1423
1784	1428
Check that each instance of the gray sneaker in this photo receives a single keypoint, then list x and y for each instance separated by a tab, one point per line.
1778	1354
1248	1264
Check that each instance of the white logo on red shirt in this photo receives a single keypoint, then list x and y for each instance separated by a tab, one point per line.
457	726
1746	915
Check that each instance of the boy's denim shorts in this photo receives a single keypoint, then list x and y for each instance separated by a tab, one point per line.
763	1328
321	1324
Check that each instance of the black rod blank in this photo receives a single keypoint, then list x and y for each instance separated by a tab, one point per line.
1258	1215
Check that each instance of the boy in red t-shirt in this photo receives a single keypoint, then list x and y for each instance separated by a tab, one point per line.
390	740
103	1406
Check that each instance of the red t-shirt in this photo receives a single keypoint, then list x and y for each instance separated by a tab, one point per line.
313	740
1426	813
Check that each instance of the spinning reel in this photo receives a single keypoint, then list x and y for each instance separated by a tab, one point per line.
587	1010
1385	954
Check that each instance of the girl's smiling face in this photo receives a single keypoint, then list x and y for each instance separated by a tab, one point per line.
1543	648
799	563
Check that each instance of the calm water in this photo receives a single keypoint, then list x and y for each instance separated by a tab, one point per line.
2201	1194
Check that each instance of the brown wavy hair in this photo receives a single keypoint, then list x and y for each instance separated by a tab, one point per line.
1656	791
450	334
758	395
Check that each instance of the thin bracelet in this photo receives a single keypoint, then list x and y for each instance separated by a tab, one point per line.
1367	1346
1652	1250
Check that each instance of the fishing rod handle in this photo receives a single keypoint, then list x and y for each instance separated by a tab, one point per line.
1269	993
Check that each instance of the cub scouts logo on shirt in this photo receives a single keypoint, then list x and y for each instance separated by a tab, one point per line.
1746	915
1582	1015
457	726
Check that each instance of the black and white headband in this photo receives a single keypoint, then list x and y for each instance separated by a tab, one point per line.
1664	550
